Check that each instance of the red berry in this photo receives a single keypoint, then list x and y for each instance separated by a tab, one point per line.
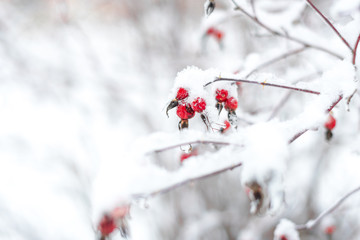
330	123
182	93
107	225
231	104
218	35
330	230
199	105
185	111
185	156
210	31
221	95
283	237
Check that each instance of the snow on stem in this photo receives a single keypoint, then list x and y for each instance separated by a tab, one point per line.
286	36
263	84
313	222
179	184
190	143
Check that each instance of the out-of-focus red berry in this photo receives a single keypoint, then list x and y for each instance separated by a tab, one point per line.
231	104
185	111
107	225
330	123
120	212
182	93
221	95
199	105
219	35
283	237
210	31
227	126
330	230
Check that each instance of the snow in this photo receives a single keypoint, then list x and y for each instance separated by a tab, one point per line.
286	228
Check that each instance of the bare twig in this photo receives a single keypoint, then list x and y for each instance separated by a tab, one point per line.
279	105
192	142
311	223
355	50
296	136
179	184
276	59
280	34
263	84
330	24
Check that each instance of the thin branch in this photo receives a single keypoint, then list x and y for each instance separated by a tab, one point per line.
279	105
263	84
330	24
179	184
192	142
286	36
311	223
276	59
355	50
296	136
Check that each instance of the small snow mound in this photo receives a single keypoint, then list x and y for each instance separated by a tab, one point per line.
286	230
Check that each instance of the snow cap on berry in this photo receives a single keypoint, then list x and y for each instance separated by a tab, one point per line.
198	105
286	230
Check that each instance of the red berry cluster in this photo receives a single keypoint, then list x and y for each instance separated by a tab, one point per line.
186	110
217	34
113	220
330	125
230	104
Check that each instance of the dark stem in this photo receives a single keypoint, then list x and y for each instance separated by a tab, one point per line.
330	24
286	36
179	184
263	84
276	59
355	50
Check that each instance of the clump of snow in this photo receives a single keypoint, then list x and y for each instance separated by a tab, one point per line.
286	229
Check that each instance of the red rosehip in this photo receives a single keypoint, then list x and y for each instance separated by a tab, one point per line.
199	105
219	35
227	126
107	225
330	123
283	237
330	230
182	93
185	111
231	104
221	95
210	31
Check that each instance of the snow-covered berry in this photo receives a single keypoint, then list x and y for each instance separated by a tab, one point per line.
330	123
199	105
221	95
185	111
330	230
182	93
107	225
231	104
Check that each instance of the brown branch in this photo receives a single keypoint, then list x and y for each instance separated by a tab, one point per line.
355	50
330	24
179	184
286	36
296	136
311	223
276	59
192	142
263	84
